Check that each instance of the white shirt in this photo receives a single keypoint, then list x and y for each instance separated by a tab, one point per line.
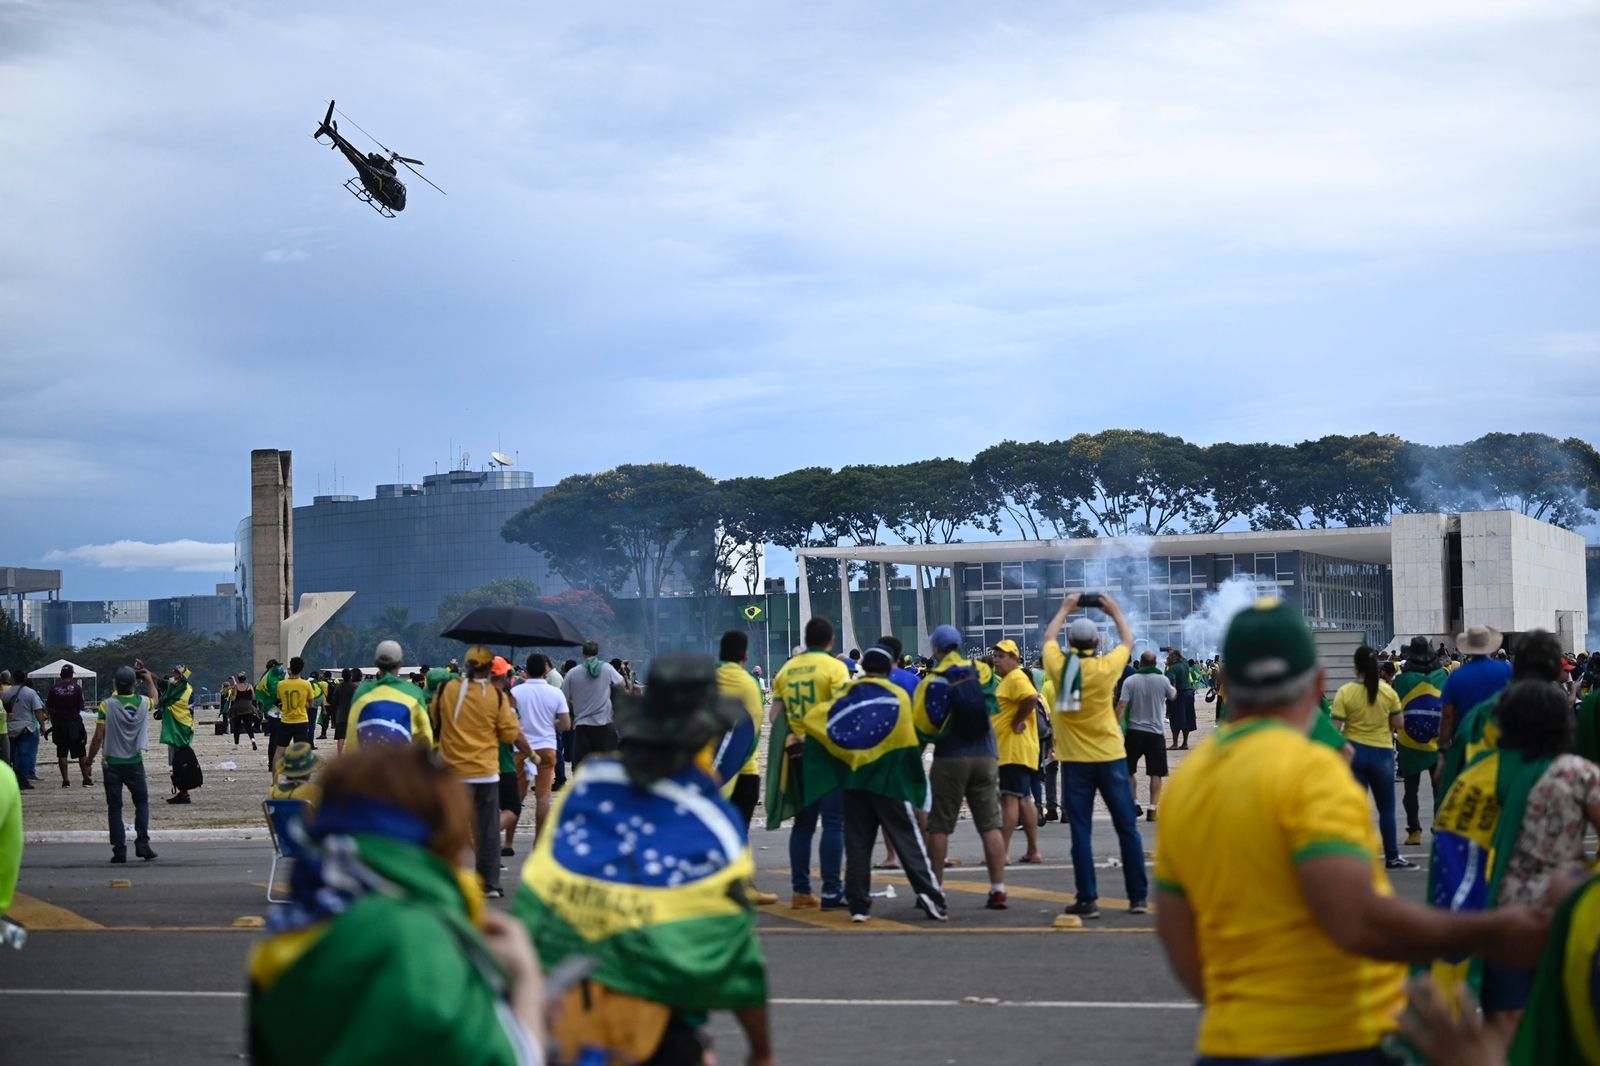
538	703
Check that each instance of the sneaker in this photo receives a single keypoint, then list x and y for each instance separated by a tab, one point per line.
859	918
508	851
1400	864
88	782
66	784
182	797
802	900
995	902
1139	906
834	903
1413	837
493	893
25	787
932	910
1138	811
119	857
1084	908
1052	814
1150	814
145	852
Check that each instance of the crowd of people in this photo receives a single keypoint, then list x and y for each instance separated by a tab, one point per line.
1270	885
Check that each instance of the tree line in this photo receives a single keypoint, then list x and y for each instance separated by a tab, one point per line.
640	527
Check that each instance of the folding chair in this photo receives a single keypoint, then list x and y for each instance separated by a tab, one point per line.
282	815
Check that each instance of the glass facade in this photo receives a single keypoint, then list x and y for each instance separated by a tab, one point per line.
1162	594
411	545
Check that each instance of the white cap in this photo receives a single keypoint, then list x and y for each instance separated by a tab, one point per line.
389	653
1082	632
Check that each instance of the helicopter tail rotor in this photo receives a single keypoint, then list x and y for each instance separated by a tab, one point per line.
328	127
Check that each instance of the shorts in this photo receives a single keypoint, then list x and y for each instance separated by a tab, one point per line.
974	778
541	770
510	795
286	733
1413	762
1152	747
1016	780
72	741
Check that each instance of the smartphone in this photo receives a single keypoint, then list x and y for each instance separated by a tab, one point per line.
1089	599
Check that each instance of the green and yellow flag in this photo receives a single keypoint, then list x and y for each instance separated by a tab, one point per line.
177	723
651	884
864	738
1562	1022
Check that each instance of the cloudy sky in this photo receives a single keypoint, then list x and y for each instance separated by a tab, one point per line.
754	236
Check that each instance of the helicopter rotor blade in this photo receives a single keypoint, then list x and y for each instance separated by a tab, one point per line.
407	159
407	164
357	125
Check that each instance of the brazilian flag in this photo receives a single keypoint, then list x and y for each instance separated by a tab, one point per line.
388	710
267	688
1562	1023
651	884
864	739
1475	832
732	750
177	723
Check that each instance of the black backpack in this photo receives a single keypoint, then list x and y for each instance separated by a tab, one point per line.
970	703
186	773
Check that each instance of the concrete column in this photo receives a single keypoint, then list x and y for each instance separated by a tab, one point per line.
883	600
805	601
922	615
847	621
271	552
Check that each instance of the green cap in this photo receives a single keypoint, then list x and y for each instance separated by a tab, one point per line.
1267	652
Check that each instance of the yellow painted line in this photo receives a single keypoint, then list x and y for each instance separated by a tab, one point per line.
176	929
1012	890
836	920
40	916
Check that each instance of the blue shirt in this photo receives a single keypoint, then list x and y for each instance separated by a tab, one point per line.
1473	682
906	679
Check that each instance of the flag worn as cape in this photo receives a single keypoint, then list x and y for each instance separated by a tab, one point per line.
782	800
1476	732
378	959
651	884
1562	1022
267	688
864	739
388	710
1421	706
177	723
1475	833
1588	737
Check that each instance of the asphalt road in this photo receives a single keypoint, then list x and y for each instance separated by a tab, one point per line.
145	963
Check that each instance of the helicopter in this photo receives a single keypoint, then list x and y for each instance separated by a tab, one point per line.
376	183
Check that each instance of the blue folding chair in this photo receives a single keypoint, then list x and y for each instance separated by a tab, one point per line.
282	816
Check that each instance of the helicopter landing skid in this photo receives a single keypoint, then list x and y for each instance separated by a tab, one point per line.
360	192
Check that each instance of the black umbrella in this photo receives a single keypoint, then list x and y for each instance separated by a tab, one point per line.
519	627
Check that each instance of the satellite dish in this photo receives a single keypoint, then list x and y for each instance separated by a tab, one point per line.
501	459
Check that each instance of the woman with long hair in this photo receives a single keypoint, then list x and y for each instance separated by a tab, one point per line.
387	951
1368	711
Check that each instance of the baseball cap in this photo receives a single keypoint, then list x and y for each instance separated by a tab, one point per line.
389	653
1267	650
480	655
66	670
946	636
1083	632
1009	647
499	668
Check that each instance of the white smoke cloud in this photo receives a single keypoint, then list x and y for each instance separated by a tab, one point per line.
188	556
1204	629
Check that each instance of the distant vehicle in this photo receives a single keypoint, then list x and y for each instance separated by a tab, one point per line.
377	182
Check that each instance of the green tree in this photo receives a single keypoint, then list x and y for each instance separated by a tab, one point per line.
937	498
501	592
640	514
20	651
211	660
1144	483
1533	473
1238	479
1039	486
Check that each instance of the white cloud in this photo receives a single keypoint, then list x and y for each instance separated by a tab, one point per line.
188	556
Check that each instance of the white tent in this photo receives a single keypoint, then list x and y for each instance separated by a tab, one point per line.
53	670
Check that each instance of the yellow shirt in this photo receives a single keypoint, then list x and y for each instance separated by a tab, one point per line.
810	678
1243	809
470	731
1022	748
294	696
734	680
1366	722
1092	733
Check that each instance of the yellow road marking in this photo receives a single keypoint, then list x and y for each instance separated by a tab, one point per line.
840	919
1013	891
40	916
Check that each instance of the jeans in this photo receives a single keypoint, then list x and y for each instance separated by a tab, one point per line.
25	755
830	809
1374	769
485	800
1080	781
115	776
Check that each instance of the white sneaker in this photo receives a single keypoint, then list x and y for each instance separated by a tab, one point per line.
860	919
